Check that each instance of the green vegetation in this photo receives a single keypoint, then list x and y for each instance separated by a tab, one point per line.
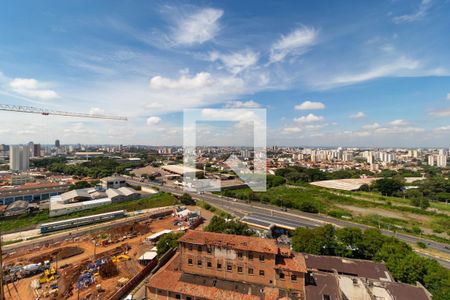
213	209
313	199
167	241
81	185
388	186
405	265
95	168
28	221
229	226
186	199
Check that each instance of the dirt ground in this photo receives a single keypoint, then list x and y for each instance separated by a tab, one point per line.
89	244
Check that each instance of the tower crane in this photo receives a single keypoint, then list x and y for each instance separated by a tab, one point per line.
47	112
44	112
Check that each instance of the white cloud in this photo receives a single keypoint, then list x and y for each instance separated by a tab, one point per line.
288	130
400	67
96	111
199	27
242	104
399	122
31	88
443	128
357	116
372	126
295	43
310	118
398	129
310	105
418	15
444	112
448	96
153	121
235	62
185	82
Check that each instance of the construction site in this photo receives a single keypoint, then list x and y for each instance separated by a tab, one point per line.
93	266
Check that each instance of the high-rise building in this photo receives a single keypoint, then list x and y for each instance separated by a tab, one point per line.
57	144
31	148
37	150
19	158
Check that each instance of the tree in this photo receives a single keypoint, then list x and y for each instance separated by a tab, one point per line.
79	185
166	242
186	199
349	242
364	188
320	241
388	186
219	224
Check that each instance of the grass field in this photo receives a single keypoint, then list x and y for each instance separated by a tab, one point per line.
378	213
30	221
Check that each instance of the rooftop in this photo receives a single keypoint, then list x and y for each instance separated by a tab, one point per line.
237	242
169	277
355	267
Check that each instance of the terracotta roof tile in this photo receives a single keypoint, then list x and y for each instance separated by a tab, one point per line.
237	242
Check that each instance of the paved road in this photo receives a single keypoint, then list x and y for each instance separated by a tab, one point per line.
296	218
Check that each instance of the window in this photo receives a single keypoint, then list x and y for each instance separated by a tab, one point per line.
261	272
219	266
229	267
261	257
250	255
199	262
208	249
199	248
250	271
188	298
240	255
294	277
239	269
326	297
177	296
281	275
189	261
209	264
190	247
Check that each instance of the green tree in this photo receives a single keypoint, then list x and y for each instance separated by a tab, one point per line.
186	199
222	225
320	241
166	242
349	240
388	186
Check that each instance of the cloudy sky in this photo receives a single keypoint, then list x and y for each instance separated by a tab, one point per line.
349	73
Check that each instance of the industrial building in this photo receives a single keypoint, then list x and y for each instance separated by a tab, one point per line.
113	182
31	192
221	266
82	199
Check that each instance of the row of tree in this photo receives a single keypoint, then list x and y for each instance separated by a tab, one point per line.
403	263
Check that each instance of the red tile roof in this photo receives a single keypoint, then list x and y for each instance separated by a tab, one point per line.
237	242
169	278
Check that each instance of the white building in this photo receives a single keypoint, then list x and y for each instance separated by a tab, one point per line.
19	158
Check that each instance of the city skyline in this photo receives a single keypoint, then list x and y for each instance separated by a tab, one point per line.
344	74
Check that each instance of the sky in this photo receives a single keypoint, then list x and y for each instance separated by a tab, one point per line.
328	73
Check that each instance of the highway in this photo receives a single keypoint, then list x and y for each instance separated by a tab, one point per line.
292	218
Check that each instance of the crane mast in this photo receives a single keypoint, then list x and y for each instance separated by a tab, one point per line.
47	112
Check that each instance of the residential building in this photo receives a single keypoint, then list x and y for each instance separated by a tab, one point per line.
113	182
19	158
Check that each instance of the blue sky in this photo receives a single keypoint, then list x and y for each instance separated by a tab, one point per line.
349	73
